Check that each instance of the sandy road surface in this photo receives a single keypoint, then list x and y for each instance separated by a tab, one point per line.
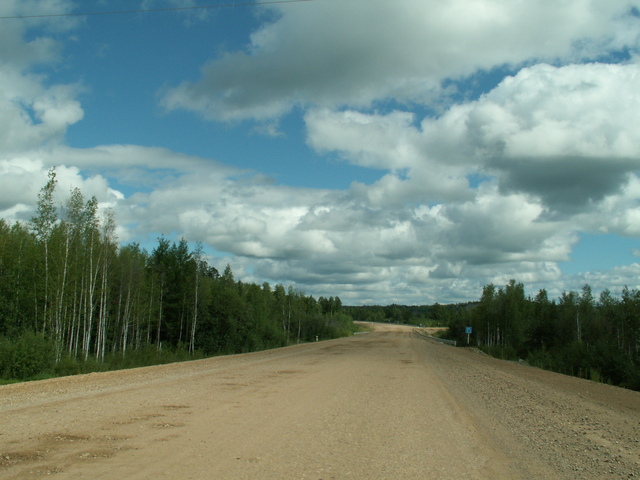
382	405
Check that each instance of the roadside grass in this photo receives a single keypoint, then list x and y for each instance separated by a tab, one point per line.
32	357
438	332
362	327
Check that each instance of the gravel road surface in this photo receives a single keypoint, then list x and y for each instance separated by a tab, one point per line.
382	405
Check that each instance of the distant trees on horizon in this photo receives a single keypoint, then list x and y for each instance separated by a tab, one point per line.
577	334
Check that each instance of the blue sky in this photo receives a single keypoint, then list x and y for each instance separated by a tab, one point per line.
385	152
157	50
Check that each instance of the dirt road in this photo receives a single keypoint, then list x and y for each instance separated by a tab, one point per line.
383	405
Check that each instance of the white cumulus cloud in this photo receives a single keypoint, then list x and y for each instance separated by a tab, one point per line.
358	52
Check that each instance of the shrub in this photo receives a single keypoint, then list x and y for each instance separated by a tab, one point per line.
32	354
67	366
6	357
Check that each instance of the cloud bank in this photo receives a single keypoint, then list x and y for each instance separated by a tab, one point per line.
332	55
475	186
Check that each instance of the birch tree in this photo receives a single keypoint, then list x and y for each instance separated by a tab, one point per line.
43	224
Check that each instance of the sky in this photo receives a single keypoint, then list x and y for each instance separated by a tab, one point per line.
405	151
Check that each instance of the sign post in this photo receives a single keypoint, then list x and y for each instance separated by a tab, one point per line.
468	331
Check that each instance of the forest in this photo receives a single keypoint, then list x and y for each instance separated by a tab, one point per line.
72	300
424	315
579	335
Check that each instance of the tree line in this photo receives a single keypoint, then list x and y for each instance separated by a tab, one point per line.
577	334
73	300
425	315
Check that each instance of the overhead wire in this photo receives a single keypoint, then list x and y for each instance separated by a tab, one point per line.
150	10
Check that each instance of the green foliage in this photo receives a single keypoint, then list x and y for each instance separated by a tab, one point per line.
68	365
542	359
73	301
6	357
502	352
25	356
577	335
47	216
145	356
425	315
